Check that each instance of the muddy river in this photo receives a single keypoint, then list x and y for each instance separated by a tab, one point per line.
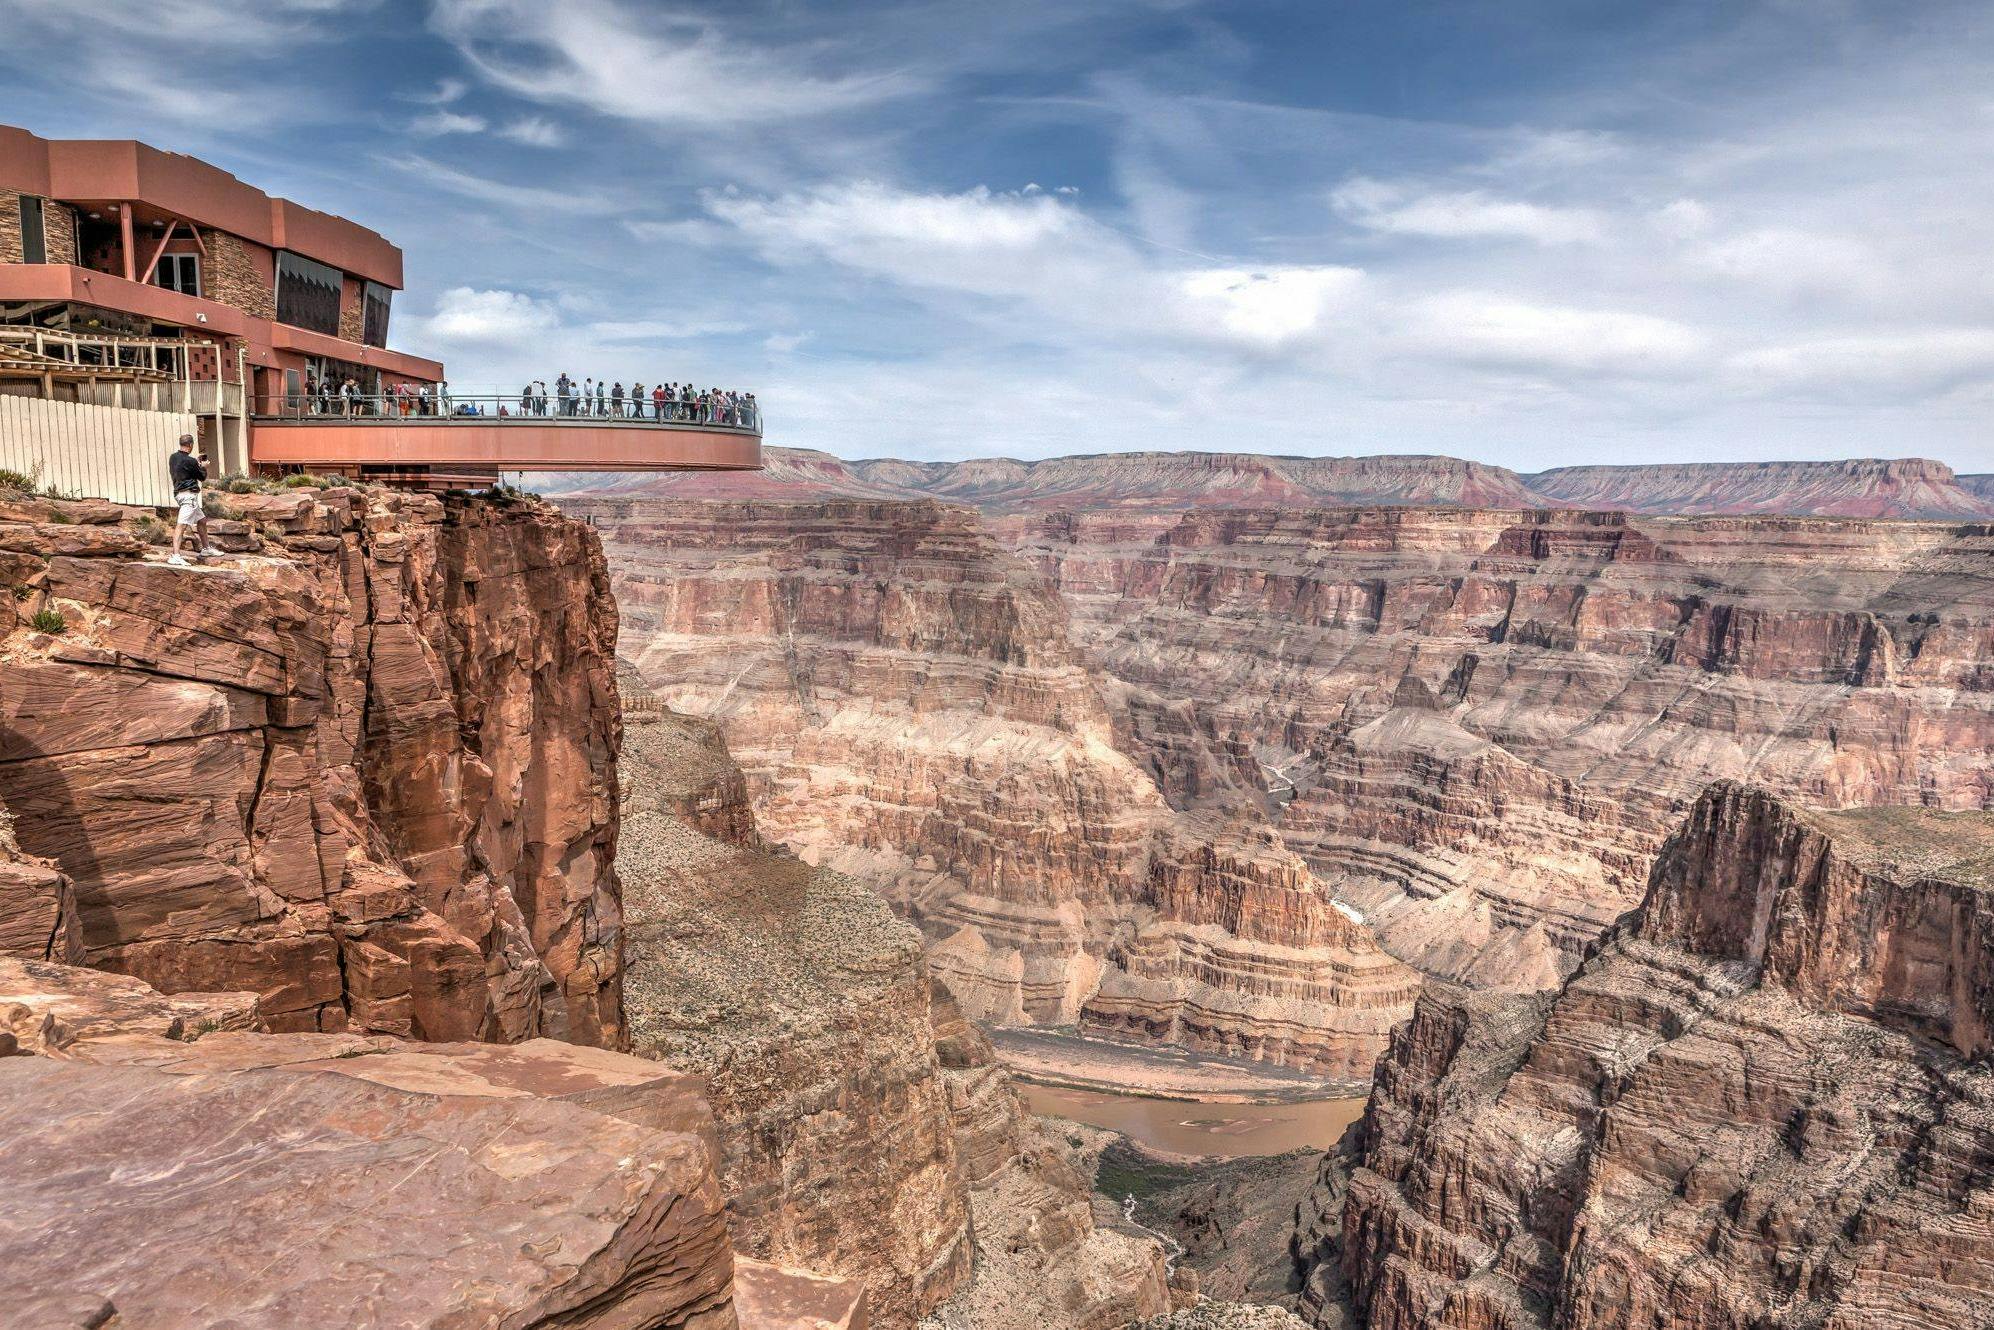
1184	1127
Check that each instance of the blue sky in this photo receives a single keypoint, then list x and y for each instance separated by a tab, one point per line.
1534	233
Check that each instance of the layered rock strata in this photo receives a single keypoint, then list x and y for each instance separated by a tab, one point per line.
862	1123
1480	721
1857	487
1765	1101
363	766
908	708
1042	1257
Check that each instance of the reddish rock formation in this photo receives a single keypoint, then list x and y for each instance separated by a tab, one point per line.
1487	718
1765	1101
263	1179
861	1121
363	768
1857	487
1905	487
1176	481
908	708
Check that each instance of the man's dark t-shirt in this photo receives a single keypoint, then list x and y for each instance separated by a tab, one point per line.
187	472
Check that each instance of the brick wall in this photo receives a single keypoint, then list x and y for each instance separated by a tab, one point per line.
233	276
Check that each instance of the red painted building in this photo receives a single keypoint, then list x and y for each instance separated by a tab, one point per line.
134	266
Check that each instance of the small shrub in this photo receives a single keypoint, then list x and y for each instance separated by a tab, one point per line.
213	505
11	479
151	530
242	485
23	592
57	517
48	621
305	480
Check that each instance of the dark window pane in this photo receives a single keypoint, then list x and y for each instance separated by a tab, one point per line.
34	241
374	328
307	294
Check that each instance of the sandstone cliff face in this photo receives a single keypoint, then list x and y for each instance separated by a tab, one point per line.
1764	1102
1487	717
908	708
364	767
865	1130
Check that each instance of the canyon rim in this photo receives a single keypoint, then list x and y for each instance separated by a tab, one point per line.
946	666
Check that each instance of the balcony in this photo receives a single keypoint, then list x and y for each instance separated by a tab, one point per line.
480	436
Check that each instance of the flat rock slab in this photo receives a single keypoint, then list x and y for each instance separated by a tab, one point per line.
265	1197
776	1297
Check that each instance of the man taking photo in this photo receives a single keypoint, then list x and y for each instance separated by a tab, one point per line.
188	471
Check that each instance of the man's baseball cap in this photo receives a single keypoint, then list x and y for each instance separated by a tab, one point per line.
186	439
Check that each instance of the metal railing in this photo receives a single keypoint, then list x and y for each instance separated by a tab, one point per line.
516	408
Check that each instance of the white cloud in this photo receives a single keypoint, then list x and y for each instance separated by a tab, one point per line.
1272	305
667	330
1377	205
1507	334
532	199
465	315
665	67
435	124
445	92
1921	362
533	132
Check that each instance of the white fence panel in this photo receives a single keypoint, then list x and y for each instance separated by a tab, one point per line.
100	452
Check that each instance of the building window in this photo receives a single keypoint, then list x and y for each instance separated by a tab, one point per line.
34	238
179	272
307	294
374	326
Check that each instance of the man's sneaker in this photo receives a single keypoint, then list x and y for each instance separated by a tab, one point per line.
210	551
177	561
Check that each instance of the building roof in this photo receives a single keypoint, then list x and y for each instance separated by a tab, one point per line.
107	171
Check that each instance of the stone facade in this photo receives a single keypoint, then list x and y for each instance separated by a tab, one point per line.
232	276
10	226
58	230
352	309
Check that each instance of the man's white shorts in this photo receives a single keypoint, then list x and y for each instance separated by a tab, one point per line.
190	506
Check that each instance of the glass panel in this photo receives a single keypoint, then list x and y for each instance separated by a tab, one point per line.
374	325
34	241
307	294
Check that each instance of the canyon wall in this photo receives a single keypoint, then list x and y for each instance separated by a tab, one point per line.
1483	721
1915	487
1902	487
864	1129
363	767
908	708
1766	1101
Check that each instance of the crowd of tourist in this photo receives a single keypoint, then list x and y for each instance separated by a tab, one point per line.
612	401
597	398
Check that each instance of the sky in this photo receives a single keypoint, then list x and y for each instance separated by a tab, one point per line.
1532	233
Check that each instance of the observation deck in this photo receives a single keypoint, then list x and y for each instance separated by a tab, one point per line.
458	437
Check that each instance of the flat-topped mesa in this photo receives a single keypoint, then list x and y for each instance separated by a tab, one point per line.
1140	480
1882	913
363	766
909	708
1906	487
1765	1100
